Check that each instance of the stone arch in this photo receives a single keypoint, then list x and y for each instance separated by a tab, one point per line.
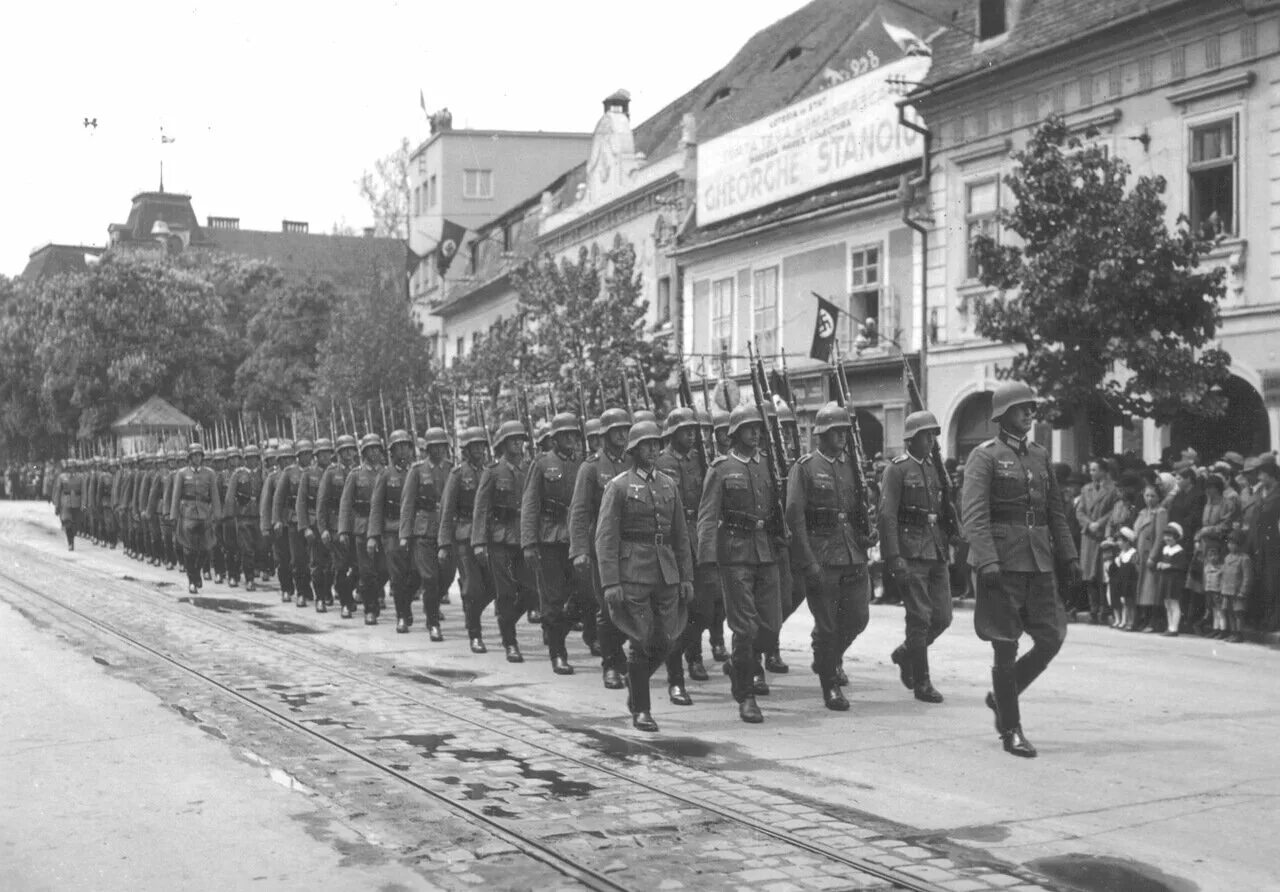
872	432
1245	428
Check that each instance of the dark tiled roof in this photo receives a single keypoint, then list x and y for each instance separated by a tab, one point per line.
156	412
1040	26
349	260
52	260
174	209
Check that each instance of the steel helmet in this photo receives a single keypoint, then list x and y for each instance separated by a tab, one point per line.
541	432
234	452
564	423
719	418
1009	394
614	418
506	431
302	446
421	443
593	427
741	416
436	436
678	418
285	448
473	434
252	451
400	436
920	421
192	449
368	441
786	415
831	416
159	454
643	415
641	431
704	417
324	444
346	441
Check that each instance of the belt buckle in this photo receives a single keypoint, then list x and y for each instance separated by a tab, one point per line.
1031	517
658	539
841	516
759	524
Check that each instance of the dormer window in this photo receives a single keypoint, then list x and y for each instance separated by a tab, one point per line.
718	95
992	19
789	56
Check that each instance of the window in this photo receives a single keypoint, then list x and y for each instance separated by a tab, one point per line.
991	18
1212	175
477	184
764	309
719	96
417	200
460	348
475	258
722	315
431	191
664	300
860	326
981	210
422	164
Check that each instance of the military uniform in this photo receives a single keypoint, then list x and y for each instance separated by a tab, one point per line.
193	507
307	510
822	507
70	499
277	542
642	545
594	475
495	525
456	510
228	549
420	503
168	530
384	526
736	518
244	490
156	508
284	514
353	526
544	529
341	558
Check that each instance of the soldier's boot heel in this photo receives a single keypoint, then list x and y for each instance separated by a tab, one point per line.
925	691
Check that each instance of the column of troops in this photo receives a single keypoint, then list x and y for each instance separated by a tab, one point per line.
629	538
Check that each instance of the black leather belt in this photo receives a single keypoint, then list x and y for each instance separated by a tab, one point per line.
656	537
1020	517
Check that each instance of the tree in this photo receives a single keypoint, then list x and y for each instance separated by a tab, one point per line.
23	432
1108	304
386	188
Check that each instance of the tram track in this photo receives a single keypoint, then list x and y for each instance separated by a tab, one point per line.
320	659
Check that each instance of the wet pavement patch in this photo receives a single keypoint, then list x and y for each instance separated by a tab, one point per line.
419	678
558	786
981	833
509	707
617	746
1096	873
427	742
283	627
222	605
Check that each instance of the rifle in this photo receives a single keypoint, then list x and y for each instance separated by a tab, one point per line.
706	405
582	412
382	404
315	421
333	421
950	516
686	396
771	453
862	524
413	416
791	398
600	388
644	386
551	401
484	423
773	424
626	392
444	422
352	410
526	415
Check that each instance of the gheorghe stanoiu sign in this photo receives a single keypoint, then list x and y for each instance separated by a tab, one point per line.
843	132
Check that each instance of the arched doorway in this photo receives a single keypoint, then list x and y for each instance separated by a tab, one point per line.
872	433
972	424
1244	428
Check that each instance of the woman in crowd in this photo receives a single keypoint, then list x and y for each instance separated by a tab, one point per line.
1149	529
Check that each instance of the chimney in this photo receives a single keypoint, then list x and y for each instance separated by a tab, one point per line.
293	226
619	101
224	222
369	231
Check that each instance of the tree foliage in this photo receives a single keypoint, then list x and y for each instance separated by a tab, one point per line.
1110	305
279	372
386	189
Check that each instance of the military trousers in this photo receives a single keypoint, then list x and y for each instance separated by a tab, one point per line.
1008	606
371	572
345	571
321	562
231	549
284	567
607	634
475	587
926	597
299	562
701	613
402	575
248	541
426	562
513	593
840	604
752	609
652	617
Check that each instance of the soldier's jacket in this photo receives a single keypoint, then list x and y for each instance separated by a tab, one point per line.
911	511
224	482
117	487
284	500
142	494
102	491
548	493
244	490
735	512
89	496
822	501
458	504
266	500
156	504
495	520
384	504
329	496
1011	508
420	500
641	535
70	490
195	496
124	493
357	500
306	504
167	479
689	474
594	475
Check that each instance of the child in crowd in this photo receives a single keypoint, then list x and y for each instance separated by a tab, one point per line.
1237	579
1122	574
1171	573
1210	547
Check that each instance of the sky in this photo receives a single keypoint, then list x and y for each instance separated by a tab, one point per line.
276	108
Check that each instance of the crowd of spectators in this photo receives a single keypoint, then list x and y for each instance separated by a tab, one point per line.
26	480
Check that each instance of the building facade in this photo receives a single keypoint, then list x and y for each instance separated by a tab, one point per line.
1185	90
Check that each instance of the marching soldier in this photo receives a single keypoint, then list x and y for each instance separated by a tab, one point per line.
592	429
914	548
384	527
542	435
306	508
353	525
646	565
275	541
193	507
69	499
456	511
495	537
243	531
155	507
168	537
102	501
218	554
593	476
822	503
121	493
682	463
329	490
544	534
141	484
735	517
90	498
420	522
284	520
1014	520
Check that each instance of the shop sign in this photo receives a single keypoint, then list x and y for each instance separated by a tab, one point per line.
844	132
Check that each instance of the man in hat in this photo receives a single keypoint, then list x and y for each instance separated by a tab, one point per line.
646	565
1266	546
69	494
194	506
1014	519
495	537
1092	509
276	539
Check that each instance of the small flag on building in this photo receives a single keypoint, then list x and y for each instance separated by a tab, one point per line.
824	329
450	240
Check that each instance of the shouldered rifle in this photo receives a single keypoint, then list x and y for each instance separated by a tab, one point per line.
382	404
526	416
950	516
862	518
707	405
413	417
686	397
450	430
626	392
773	424
771	452
582	413
791	399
